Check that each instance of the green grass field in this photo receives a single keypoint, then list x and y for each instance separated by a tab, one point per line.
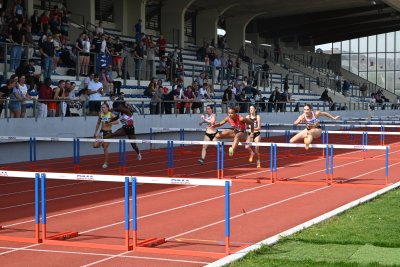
368	235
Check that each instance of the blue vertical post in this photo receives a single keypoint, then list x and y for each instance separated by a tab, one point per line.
168	158
151	138
222	158
218	159
120	153
227	217
387	164
327	158
127	212
182	136
271	161
331	170
77	151
124	152
44	213
134	212
34	149
267	128
74	142
37	206
275	159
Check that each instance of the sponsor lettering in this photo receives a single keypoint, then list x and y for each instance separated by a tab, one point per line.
12	138
86	177
180	181
3	173
358	146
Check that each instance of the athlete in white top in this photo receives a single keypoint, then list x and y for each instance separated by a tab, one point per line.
209	118
313	129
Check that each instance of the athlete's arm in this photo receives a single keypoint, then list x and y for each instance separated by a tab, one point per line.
300	119
326	114
220	123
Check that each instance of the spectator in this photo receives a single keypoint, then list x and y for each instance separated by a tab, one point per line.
5	92
82	47
325	97
138	55
17	38
138	30
95	92
363	90
162	45
47	51
99	29
117	56
151	57
35	22
346	88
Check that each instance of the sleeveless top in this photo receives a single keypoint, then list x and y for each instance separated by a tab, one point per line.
237	124
105	117
255	122
313	122
126	121
209	117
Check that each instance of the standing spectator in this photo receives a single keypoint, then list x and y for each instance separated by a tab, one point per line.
138	30
95	91
162	45
28	42
44	21
151	57
117	56
227	97
99	29
138	55
18	11
16	98
47	51
217	68
82	46
35	22
17	38
363	90
65	24
45	95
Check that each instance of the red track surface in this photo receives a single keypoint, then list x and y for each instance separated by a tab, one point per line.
189	217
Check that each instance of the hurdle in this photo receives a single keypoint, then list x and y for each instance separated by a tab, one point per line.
36	177
131	241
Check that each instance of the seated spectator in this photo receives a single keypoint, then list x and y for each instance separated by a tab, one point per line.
325	97
346	88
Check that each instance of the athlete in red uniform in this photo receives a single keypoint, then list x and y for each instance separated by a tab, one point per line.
313	128
238	130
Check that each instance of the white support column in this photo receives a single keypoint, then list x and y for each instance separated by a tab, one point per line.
172	20
235	29
206	24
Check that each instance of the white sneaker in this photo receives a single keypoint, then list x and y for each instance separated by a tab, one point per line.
201	161
230	151
104	166
251	156
139	156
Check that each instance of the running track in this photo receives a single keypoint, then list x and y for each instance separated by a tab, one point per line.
189	217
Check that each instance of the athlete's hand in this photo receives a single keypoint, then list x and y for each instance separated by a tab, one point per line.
336	118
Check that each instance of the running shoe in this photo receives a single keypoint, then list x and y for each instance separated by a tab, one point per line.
139	156
104	166
201	161
230	151
258	164
251	156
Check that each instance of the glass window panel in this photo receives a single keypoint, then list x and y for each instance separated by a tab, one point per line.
372	43
354	63
346	46
346	61
389	61
381	62
380	79
363	45
390	81
354	46
363	62
381	43
390	42
372	76
336	48
397	80
363	74
397	41
397	62
372	62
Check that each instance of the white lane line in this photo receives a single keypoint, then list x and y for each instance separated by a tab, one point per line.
100	254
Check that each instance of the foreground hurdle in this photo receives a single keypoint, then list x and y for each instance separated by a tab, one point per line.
36	177
131	241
